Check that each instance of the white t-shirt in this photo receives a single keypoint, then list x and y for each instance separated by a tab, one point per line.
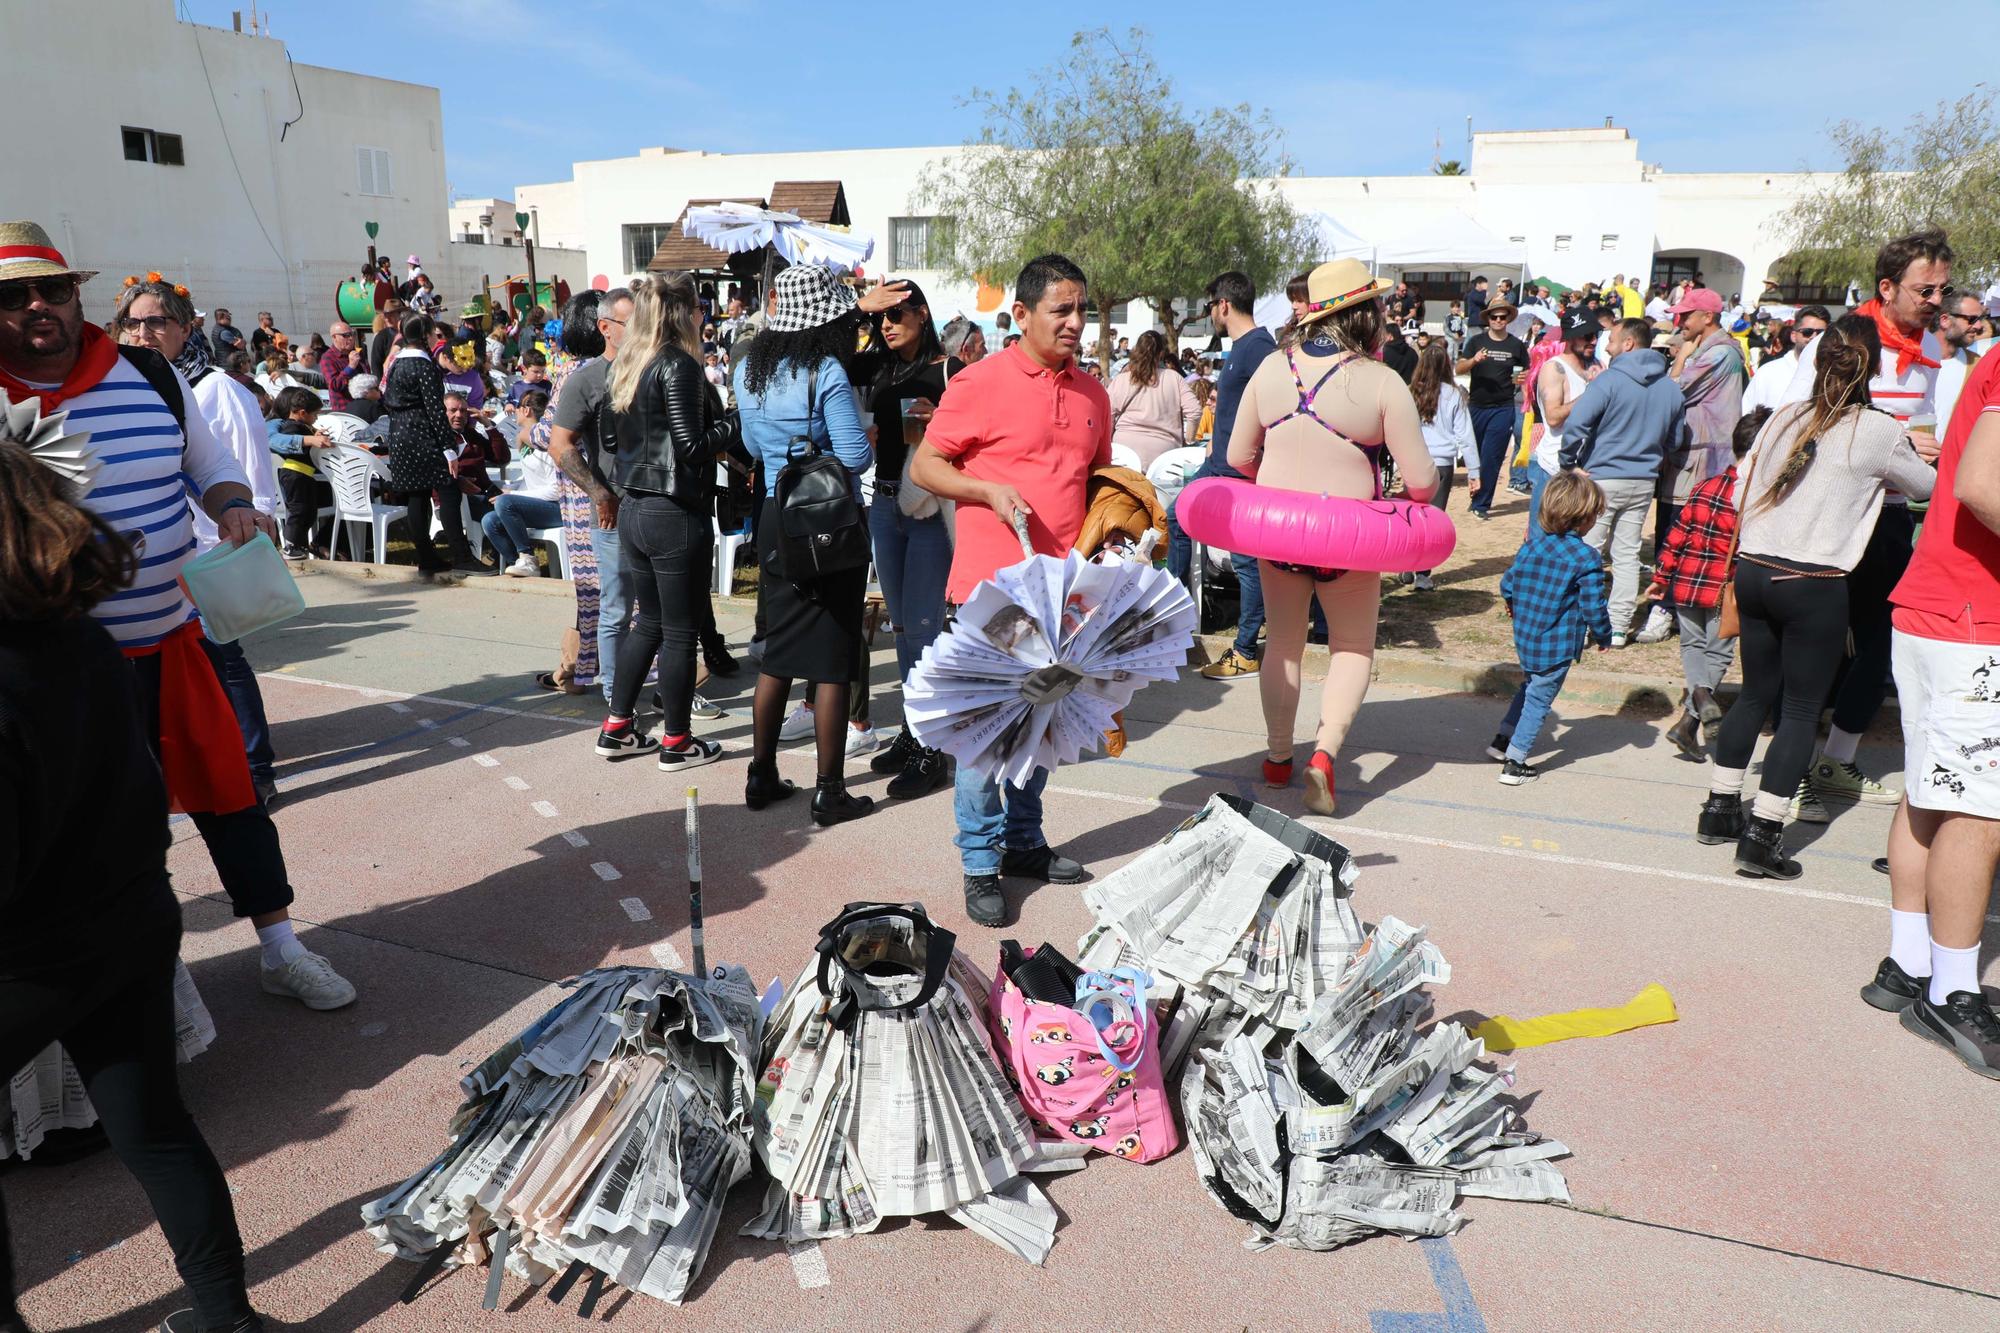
232	416
1657	309
1950	379
538	476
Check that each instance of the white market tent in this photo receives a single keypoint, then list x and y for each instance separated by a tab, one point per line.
1444	238
1334	242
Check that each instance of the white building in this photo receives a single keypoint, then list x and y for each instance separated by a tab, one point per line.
157	144
1572	205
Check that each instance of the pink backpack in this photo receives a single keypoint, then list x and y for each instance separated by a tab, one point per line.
1088	1071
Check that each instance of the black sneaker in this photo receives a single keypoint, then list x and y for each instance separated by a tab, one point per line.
1514	773
624	743
1964	1024
1721	820
296	553
1893	989
1760	852
1880	865
1044	863
1496	749
924	774
984	902
692	752
719	661
896	755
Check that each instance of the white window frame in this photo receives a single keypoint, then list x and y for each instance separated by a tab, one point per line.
374	172
625	238
931	227
152	142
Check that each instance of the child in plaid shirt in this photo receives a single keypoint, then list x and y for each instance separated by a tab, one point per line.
1556	592
1690	572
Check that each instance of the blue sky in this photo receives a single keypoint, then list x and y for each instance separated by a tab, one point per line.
1715	86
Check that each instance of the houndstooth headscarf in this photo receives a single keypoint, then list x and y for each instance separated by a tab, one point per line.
809	295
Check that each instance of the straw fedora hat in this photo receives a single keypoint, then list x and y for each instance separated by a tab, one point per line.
1338	285
27	252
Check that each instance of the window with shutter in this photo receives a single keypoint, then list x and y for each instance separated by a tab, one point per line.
371	166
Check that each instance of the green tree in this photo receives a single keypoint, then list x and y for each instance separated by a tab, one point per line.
1451	166
1941	170
1100	161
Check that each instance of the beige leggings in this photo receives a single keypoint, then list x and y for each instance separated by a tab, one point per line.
1351	602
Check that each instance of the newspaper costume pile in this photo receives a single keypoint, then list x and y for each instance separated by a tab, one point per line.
47	1093
1315	1109
1042	656
881	1096
604	1137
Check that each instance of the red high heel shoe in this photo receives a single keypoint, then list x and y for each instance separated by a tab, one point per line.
1319	783
1277	772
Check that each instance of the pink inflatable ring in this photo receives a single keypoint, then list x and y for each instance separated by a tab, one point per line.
1317	531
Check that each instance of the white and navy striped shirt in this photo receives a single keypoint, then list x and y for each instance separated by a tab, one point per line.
139	491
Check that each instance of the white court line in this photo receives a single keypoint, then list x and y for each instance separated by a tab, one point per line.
427	724
399	707
667	956
544	809
809	1265
574	838
372	692
459	741
518	784
635	909
605	871
485	761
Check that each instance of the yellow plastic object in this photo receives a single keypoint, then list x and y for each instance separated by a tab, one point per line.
1651	1005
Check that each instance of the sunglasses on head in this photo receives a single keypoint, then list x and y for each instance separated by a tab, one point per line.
57	290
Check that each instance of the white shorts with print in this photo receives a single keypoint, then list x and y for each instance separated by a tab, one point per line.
1950	699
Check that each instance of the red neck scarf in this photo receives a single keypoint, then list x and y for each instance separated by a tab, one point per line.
93	363
1909	351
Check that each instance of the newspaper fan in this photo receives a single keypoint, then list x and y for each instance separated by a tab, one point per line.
1042	656
43	437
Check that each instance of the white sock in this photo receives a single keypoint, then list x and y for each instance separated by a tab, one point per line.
1767	806
1725	781
281	946
1910	941
1953	970
1840	746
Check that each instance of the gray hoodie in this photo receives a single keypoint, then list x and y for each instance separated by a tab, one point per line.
1630	419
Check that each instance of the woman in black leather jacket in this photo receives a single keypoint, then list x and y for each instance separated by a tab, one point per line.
668	421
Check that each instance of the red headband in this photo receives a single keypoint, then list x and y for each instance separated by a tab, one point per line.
49	253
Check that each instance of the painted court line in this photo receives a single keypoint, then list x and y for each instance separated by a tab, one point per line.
459	741
485	761
544	809
667	956
635	909
605	871
399	707
574	838
372	692
518	784
809	1265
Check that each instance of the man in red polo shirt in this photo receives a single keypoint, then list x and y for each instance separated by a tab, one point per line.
1017	433
1945	841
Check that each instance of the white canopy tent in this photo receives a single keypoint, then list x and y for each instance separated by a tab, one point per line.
1444	238
1334	242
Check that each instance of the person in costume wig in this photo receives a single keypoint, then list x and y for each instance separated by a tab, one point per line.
148	440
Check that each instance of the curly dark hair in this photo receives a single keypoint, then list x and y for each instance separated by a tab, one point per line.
833	340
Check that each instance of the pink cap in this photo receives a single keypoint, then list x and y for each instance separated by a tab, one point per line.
1699	298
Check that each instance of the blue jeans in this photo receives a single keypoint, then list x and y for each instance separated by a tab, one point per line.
1250	612
1530	709
989	822
1538	481
614	603
1180	547
1492	427
507	527
239	682
913	560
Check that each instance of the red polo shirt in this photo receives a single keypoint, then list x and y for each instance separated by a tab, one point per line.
1951	590
1011	420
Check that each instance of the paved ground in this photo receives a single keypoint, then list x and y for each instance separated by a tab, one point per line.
1781	1158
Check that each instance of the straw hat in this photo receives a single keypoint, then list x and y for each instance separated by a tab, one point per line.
27	252
1338	285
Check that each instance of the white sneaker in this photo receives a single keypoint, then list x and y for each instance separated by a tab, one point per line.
861	740
798	724
1424	583
310	980
523	568
1659	624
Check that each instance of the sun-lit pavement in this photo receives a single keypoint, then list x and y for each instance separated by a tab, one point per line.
1783	1157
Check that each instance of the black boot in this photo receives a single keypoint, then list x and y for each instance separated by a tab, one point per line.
927	771
1761	851
984	902
896	755
1702	704
834	804
1721	819
1686	735
764	787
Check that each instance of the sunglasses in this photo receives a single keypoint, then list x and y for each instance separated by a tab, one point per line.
896	314
1942	290
59	290
150	323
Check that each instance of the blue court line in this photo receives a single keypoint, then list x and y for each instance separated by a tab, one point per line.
1461	1312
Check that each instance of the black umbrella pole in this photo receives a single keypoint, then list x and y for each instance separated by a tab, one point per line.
694	881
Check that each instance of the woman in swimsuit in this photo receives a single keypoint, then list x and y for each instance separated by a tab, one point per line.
1317	418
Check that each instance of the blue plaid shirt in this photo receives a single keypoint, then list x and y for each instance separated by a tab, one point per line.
1556	589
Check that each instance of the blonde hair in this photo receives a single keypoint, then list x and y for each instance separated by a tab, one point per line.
1571	503
666	312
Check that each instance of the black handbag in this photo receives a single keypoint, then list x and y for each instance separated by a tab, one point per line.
821	529
871	942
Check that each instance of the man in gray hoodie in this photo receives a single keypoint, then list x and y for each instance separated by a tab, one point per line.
1630	419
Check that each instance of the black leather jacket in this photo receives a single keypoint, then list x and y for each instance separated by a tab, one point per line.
667	439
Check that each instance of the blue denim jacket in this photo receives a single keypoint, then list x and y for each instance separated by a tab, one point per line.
772	419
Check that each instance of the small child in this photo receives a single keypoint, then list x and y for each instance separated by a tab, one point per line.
1204	393
1556	591
291	436
1692	568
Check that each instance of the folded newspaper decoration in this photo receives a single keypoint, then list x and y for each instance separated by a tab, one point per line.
67	455
881	1096
604	1137
47	1093
1315	1109
1040	658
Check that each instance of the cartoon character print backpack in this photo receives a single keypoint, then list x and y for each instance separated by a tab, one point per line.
1083	1053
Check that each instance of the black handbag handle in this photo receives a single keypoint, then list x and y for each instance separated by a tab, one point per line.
939	944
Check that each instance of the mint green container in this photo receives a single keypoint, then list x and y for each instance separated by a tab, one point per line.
241	589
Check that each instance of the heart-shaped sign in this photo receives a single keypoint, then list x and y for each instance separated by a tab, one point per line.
373	229
521	221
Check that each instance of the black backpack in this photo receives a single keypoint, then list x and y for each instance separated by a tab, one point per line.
821	529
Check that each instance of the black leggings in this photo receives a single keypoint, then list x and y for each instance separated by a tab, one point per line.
1794	631
666	546
1866	682
115	1017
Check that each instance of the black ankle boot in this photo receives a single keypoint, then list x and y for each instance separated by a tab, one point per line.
1761	851
1703	705
834	804
1685	735
764	787
1721	819
896	755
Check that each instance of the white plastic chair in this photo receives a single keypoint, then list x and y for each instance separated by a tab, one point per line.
553	537
348	469
726	546
1123	455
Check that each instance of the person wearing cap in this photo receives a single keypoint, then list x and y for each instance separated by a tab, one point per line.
1559	385
1017	434
1317	419
1492	357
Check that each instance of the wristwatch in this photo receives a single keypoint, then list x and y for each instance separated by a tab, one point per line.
237	502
